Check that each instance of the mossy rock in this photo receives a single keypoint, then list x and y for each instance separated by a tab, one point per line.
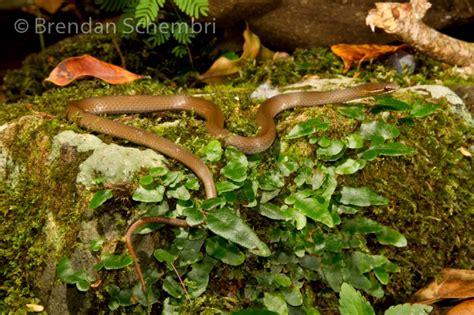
46	212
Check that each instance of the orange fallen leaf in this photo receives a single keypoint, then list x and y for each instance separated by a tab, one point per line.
464	308
452	284
361	53
74	68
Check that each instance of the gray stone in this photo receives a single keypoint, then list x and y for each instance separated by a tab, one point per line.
113	163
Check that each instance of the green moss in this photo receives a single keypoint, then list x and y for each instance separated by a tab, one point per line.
430	193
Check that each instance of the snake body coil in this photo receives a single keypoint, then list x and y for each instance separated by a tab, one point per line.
86	111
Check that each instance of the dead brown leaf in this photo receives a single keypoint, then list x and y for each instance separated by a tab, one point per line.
451	284
74	68
361	53
222	68
52	6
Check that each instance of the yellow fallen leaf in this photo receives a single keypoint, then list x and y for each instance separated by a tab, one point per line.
52	6
465	151
34	308
223	67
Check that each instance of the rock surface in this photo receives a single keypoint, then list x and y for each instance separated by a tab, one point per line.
114	163
288	24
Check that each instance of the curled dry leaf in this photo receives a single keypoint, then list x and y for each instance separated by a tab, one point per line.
361	53
222	68
465	151
74	68
451	284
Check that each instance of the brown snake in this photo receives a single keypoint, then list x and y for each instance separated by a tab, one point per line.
86	111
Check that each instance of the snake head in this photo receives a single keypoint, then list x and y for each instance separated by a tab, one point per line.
380	88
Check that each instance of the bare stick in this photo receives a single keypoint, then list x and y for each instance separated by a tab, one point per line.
404	20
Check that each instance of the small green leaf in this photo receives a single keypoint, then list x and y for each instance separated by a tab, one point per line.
180	193
409	309
113	262
225	251
226	186
332	152
199	276
164	256
226	223
157	171
193	216
378	128
307	127
365	263
146	180
351	302
99	198
274	212
271	180
388	236
67	274
393	149
361	196
192	183
153	195
236	169
213	151
382	275
292	295
172	287
354	141
390	103
355	111
275	302
173	178
350	166
316	209
96	245
361	225
324	141
208	204
421	110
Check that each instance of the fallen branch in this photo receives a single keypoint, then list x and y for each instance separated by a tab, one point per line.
404	20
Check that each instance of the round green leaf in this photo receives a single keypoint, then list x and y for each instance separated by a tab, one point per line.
99	198
144	195
213	151
378	128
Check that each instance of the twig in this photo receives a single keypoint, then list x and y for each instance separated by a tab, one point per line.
404	20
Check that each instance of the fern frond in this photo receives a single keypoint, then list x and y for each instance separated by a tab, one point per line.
160	35
193	8
180	51
112	5
146	11
182	32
